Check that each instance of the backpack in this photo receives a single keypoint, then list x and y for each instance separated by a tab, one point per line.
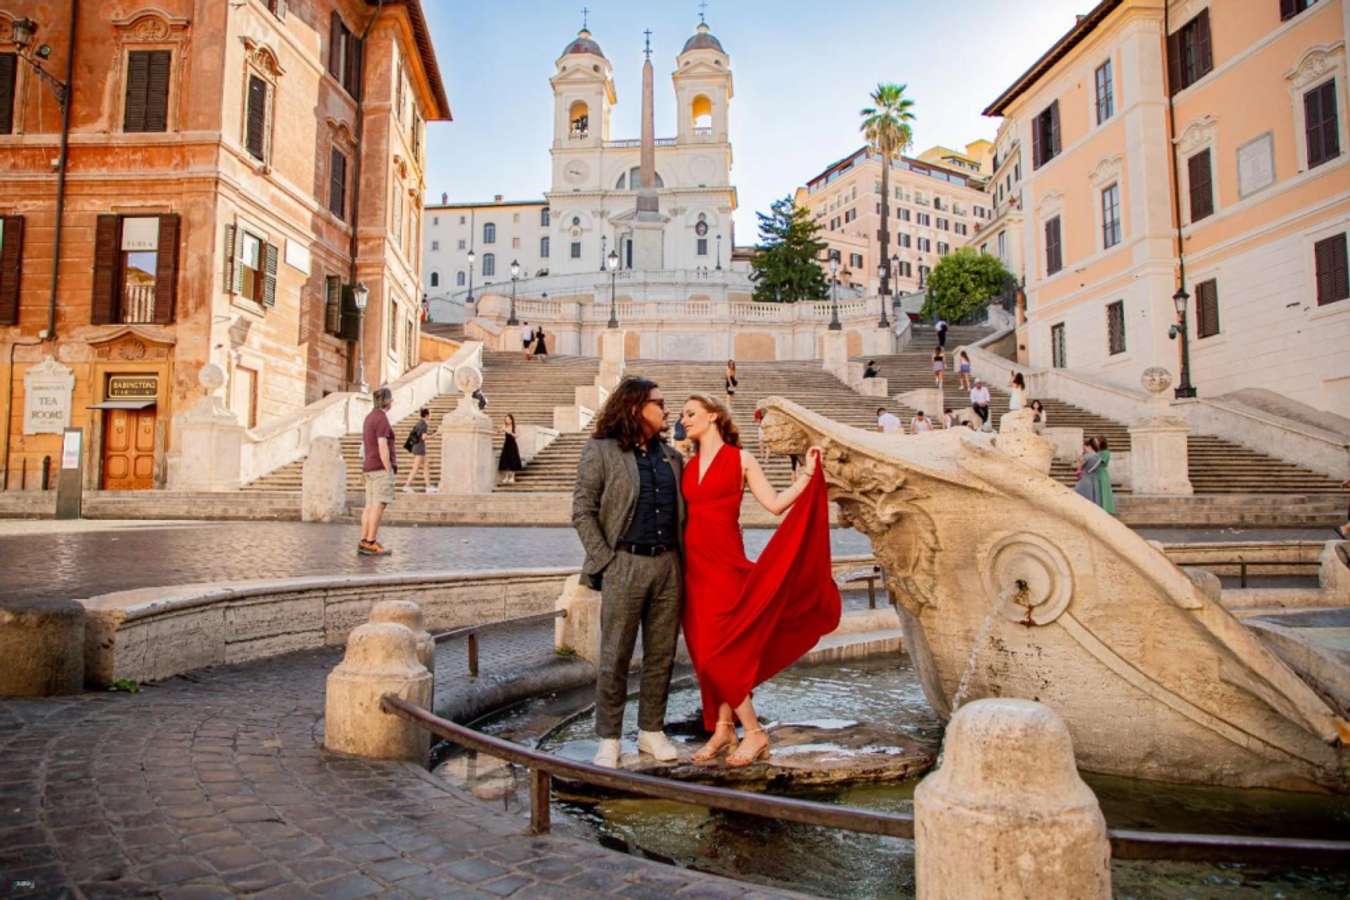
411	441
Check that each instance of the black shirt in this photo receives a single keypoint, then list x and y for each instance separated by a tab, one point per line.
656	520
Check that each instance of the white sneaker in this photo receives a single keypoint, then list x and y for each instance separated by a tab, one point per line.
656	744
407	489
433	490
608	755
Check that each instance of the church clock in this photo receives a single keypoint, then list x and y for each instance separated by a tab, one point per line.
576	171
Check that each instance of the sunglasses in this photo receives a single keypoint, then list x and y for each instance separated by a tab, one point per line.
659	402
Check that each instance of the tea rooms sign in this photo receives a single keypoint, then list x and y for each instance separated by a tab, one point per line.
47	390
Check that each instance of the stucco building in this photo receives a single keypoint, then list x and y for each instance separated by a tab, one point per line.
1189	145
519	231
234	171
935	207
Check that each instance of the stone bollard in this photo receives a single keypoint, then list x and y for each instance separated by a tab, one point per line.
381	659
1006	815
579	631
323	481
409	615
41	649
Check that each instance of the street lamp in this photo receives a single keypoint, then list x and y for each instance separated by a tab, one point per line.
1185	390
360	297
469	299
515	274
613	261
604	242
883	322
22	32
719	253
834	293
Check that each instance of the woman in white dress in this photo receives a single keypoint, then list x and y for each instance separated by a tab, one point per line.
1017	392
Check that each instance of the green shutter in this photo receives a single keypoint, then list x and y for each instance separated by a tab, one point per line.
270	257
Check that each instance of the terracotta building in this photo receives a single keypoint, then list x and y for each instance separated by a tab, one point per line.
235	171
1197	146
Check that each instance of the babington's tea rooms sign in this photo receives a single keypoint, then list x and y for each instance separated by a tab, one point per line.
47	391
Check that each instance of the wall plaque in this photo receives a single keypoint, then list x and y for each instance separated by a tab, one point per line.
133	387
47	390
1256	164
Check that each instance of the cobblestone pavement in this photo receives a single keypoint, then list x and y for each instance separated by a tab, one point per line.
214	785
83	562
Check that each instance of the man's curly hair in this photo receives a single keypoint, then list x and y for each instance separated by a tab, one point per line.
621	417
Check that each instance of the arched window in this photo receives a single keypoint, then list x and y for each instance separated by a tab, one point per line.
489	265
635	179
435	279
701	112
489	233
579	119
459	278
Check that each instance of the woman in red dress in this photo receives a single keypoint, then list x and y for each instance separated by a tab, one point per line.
744	622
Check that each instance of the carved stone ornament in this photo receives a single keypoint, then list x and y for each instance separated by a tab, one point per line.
1197	134
1028	579
263	58
1107	170
1316	62
1050	203
1156	379
150	26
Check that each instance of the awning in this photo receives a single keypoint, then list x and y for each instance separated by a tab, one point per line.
122	404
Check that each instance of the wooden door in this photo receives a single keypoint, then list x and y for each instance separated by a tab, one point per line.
129	449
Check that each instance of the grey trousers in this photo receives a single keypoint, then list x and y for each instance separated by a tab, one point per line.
646	591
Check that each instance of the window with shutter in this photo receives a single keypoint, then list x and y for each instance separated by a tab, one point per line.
147	91
351	75
166	270
1045	135
11	268
337	45
1189	54
1333	279
332	305
337	188
1053	257
1058	354
1201	178
255	125
1321	124
1115	327
1106	103
1291	8
271	255
103	304
1111	216
1207	308
9	70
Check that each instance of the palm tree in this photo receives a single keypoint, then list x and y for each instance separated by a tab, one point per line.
886	126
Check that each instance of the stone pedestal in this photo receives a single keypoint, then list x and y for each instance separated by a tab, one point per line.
409	615
1018	439
208	441
579	632
1159	442
591	396
381	659
927	399
1006	815
468	465
323	481
649	243
612	342
834	354
41	649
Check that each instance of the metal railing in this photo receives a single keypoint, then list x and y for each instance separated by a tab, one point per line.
472	631
1242	565
1125	843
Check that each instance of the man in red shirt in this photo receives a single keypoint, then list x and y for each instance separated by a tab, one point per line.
380	470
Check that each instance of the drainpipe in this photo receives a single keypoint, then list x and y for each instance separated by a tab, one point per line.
50	333
360	156
1172	153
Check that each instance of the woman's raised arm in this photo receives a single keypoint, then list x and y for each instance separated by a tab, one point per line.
761	490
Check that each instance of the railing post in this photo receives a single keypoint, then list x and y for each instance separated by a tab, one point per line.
473	654
871	593
540	793
1242	572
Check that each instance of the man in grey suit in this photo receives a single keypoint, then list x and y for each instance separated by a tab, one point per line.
629	513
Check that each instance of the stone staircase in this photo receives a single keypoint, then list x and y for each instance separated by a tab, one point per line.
511	385
1216	466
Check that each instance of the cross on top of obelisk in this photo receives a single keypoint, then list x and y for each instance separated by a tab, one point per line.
648	49
702	8
585	18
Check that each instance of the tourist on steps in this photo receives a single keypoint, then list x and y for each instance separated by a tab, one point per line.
870	370
508	464
526	340
629	515
887	422
1038	417
746	621
939	366
540	344
948	419
921	423
1017	392
416	444
942	333
1094	478
963	369
379	469
979	401
730	382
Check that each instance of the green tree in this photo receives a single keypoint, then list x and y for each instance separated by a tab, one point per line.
785	268
962	283
886	125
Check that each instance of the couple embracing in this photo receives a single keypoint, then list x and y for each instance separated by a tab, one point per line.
663	545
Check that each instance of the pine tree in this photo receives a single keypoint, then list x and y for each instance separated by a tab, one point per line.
786	267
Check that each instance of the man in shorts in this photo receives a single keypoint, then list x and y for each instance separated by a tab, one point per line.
379	469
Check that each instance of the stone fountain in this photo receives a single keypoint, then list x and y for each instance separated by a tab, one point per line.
1009	584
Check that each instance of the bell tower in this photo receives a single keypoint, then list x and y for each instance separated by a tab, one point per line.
703	89
583	94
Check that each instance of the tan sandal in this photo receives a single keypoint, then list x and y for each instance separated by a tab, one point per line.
706	756
737	761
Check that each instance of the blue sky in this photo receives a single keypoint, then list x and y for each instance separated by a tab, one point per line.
802	71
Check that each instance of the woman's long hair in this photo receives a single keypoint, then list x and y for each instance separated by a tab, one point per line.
1019	381
725	427
510	417
621	417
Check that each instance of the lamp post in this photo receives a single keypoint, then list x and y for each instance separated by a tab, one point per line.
834	293
613	262
22	32
469	299
883	322
895	278
1185	390
719	253
604	242
360	297
515	274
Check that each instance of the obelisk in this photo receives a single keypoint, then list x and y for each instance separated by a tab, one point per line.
649	224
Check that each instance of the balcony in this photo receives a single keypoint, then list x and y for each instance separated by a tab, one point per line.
138	304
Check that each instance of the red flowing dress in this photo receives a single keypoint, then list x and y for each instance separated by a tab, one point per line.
745	622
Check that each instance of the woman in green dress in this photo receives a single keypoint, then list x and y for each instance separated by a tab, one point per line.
1105	498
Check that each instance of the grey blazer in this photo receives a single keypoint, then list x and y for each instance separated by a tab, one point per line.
606	495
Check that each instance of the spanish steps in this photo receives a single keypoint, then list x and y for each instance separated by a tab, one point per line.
531	389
